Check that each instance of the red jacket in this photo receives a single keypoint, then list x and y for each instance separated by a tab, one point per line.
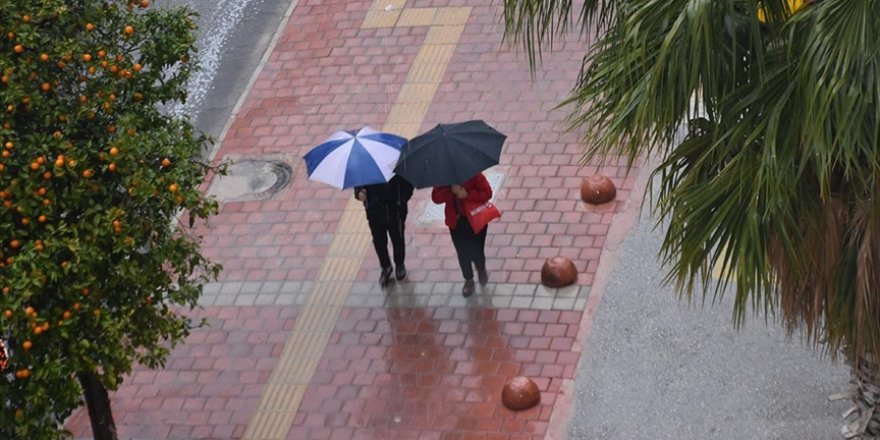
478	191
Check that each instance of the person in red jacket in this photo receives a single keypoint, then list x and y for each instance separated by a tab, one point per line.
469	246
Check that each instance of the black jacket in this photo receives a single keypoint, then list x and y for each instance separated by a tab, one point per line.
387	201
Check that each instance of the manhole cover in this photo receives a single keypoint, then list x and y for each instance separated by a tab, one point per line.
434	212
252	179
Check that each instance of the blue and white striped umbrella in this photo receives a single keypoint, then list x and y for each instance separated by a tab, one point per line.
354	158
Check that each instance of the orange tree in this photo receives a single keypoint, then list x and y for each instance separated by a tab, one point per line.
94	168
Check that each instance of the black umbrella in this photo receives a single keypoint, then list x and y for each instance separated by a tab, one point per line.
450	154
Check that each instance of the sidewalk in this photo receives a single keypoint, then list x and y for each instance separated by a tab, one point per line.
302	344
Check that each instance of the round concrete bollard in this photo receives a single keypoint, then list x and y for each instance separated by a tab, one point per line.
558	272
520	393
597	190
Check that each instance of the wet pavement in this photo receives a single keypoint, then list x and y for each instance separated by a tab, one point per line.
302	343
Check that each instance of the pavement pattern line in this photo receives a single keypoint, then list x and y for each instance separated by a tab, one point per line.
314	326
400	295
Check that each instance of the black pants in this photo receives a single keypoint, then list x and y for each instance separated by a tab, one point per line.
381	231
470	247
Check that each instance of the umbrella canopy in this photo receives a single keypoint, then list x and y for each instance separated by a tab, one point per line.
354	158
450	154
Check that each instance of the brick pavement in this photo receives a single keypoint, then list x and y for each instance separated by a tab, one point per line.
417	361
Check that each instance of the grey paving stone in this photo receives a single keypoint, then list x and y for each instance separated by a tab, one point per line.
438	300
524	290
264	299
563	303
207	300
374	301
251	287
245	300
291	287
403	288
361	288
521	302
230	287
225	300
401	301
503	289
271	287
460	301
580	304
544	291
422	288
289	299
571	291
542	303
445	288
211	288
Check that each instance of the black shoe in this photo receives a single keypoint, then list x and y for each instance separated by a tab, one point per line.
400	272
385	277
468	288
483	276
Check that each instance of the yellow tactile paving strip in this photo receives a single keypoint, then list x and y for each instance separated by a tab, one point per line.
302	350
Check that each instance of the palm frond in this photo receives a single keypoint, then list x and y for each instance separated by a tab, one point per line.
777	179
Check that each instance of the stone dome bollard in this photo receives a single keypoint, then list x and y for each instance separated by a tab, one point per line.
597	190
558	272
520	393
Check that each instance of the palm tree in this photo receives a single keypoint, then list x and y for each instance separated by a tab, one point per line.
777	179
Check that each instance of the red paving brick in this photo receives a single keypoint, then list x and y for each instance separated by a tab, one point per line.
211	384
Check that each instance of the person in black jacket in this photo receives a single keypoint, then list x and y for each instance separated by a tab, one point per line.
386	206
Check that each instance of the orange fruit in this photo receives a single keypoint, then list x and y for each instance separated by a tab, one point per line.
7	313
137	67
15	244
145	3
46	86
41	219
90	27
173	188
86	57
111	167
38	331
27	345
88	174
44	57
85	291
66	314
76	306
166	163
114	151
128	30
102	54
18	48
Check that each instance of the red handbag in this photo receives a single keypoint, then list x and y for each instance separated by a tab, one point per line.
479	215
